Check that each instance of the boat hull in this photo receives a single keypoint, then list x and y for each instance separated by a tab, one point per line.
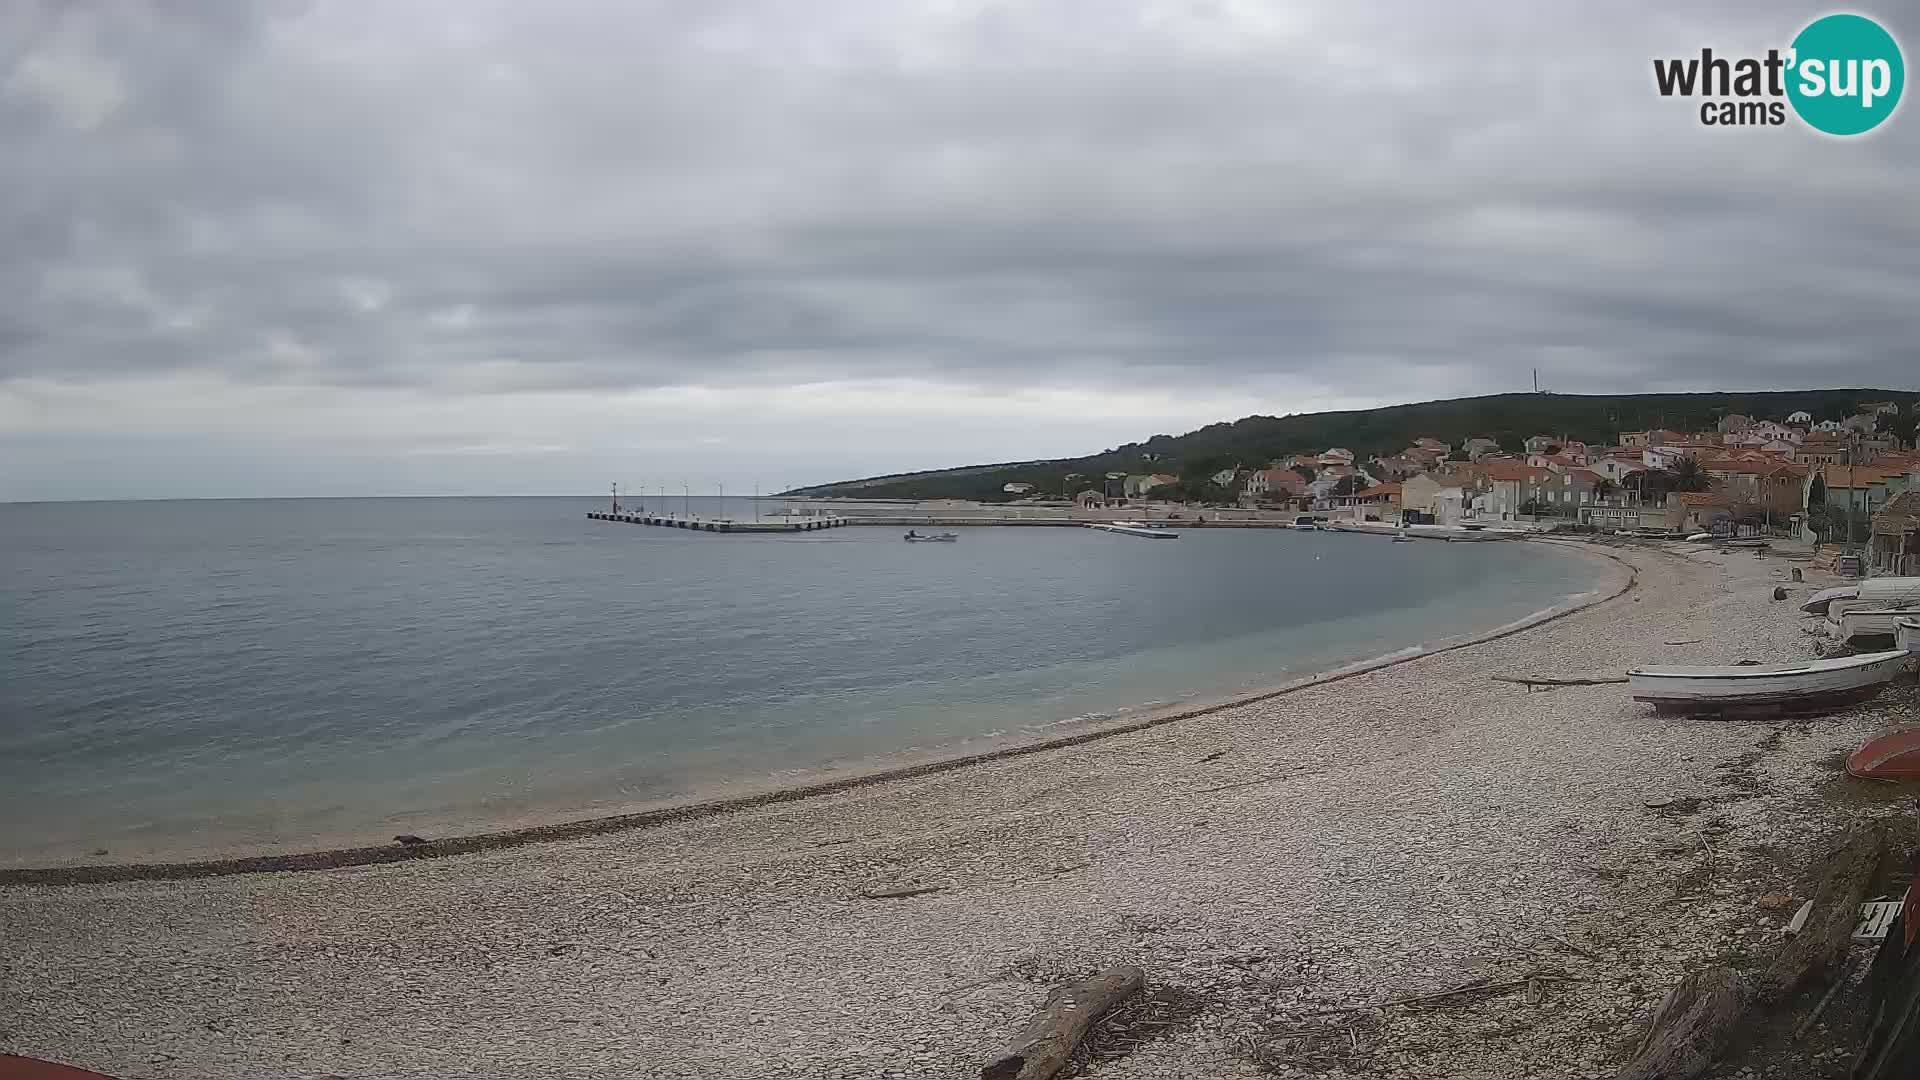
1889	757
1907	637
1817	684
1858	623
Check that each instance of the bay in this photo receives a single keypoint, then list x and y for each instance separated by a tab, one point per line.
190	678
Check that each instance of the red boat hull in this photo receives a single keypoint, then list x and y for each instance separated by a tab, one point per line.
1889	757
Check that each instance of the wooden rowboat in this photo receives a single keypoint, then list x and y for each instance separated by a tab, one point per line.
1810	684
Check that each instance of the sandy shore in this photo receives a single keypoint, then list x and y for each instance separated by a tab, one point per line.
1412	828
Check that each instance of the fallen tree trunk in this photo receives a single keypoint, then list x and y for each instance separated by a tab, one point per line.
1698	1019
1043	1048
1814	952
1691	1028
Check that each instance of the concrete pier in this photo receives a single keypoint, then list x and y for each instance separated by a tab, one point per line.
723	525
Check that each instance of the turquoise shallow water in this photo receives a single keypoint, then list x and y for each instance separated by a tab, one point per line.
192	676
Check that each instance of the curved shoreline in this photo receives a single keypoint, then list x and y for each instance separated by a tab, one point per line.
595	826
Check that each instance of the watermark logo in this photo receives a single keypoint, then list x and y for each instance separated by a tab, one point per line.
1842	75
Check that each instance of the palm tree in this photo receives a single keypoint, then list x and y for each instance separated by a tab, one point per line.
1689	476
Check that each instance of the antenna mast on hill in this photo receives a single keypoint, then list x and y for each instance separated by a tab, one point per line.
1536	380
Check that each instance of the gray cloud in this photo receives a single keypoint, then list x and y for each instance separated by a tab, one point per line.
1317	202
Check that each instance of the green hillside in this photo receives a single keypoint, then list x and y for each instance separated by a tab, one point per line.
1509	418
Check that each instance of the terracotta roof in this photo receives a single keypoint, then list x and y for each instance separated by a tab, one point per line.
1901	514
1585	476
1858	476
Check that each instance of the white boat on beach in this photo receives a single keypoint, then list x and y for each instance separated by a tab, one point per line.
1907	637
1304	523
1817	603
1807	684
1867	622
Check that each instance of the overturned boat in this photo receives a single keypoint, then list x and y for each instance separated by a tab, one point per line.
1797	687
1889	757
1818	603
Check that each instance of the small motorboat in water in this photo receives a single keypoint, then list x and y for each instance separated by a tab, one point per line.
934	538
1807	685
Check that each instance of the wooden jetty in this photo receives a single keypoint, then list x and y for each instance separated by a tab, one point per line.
723	525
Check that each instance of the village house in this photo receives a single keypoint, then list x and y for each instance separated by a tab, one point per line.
1776	488
1337	455
1624	513
1225	477
1822	448
1478	448
1400	465
1829	427
1853	489
1893	545
1734	422
1538	444
1701	510
1510	487
1091	499
1425	494
1424	457
1380	502
1016	488
1801	418
1273	485
1138	486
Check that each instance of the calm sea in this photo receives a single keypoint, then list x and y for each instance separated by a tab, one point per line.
189	677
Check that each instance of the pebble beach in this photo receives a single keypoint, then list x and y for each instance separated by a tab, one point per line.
1307	881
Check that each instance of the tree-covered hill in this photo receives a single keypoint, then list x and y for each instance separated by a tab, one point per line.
1508	418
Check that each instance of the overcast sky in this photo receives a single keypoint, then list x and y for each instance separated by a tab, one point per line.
510	247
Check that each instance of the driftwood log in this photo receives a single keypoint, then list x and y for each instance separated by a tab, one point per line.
1699	1018
1551	681
1822	943
1691	1028
1043	1047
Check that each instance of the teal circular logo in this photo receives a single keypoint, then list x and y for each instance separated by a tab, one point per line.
1846	74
